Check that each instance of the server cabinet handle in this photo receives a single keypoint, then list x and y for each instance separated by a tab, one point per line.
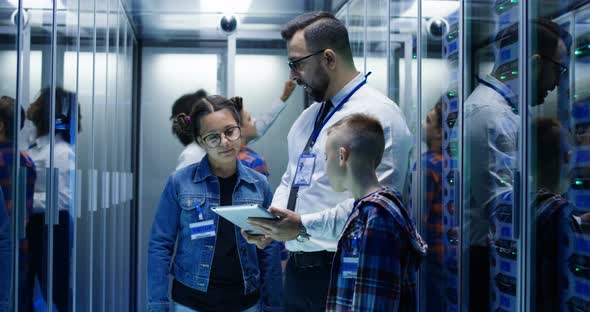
516	205
92	177
106	189
48	211
55	196
78	193
115	183
456	197
21	207
131	178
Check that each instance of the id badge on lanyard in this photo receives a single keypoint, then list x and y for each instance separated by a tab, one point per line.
306	163
350	259
350	266
305	168
202	228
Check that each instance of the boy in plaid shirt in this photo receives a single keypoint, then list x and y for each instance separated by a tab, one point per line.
379	250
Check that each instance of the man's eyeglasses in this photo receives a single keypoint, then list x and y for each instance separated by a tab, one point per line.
293	63
562	68
231	134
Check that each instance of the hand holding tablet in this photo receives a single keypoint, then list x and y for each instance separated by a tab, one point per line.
239	214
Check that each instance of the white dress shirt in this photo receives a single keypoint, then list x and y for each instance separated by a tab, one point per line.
324	211
194	153
267	119
491	138
63	160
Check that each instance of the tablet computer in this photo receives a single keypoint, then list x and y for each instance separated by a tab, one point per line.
239	214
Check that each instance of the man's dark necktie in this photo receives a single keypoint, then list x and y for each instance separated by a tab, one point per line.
295	189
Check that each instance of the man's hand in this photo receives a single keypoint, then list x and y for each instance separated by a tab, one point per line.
288	89
261	241
284	229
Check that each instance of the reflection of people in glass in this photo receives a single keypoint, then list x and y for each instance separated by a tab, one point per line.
214	268
492	126
7	163
192	152
583	134
66	108
5	256
433	209
552	176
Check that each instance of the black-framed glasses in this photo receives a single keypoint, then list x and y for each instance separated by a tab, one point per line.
213	140
293	63
562	68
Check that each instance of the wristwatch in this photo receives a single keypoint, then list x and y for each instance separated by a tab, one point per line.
303	235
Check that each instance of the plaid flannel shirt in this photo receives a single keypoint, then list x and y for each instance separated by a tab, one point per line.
433	208
553	219
251	159
7	154
389	253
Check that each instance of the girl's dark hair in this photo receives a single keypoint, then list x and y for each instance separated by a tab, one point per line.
205	106
184	105
66	104
7	106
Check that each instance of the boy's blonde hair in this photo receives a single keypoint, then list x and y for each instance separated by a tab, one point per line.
363	135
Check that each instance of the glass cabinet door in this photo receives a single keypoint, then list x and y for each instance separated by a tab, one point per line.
436	171
46	245
491	179
14	213
558	157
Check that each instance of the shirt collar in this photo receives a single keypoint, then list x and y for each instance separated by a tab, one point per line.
41	141
340	95
203	171
507	92
44	140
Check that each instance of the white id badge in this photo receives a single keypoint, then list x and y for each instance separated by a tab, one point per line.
305	168
202	229
350	267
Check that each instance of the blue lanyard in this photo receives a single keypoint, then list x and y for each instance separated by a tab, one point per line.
487	84
315	135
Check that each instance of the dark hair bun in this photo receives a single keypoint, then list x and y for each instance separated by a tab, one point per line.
238	102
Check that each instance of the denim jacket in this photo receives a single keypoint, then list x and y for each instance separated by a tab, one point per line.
5	256
186	189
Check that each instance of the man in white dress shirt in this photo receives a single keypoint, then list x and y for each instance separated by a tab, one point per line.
313	215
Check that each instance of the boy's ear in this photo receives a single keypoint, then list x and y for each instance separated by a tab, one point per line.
344	153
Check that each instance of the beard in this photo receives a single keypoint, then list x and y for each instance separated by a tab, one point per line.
317	90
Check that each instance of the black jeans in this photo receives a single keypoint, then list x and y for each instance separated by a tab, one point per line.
37	233
306	289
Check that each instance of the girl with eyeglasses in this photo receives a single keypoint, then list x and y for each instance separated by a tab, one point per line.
213	267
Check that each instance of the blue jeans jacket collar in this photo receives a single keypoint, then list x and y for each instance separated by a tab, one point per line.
203	171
